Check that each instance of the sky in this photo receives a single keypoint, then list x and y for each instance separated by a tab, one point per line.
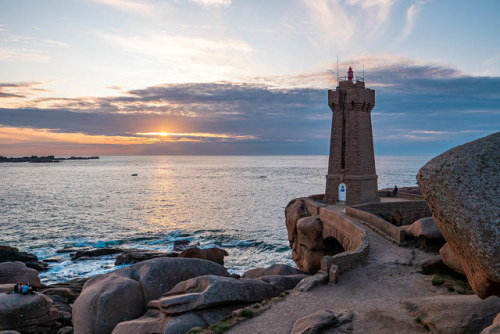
235	77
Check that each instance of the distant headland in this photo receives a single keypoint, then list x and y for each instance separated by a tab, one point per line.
43	159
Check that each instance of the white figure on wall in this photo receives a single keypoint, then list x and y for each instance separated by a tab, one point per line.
342	192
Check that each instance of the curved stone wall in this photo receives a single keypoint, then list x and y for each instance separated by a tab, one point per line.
309	225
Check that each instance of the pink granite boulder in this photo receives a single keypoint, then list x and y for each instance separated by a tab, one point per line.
461	187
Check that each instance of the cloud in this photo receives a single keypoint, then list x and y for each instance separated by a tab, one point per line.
131	6
20	89
15	54
201	59
411	17
344	24
16	135
420	108
213	3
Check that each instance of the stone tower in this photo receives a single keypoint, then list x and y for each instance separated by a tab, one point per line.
351	168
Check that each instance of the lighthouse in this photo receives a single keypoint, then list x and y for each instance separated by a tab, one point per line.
351	178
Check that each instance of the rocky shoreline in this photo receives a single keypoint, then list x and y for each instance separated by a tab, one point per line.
151	292
415	286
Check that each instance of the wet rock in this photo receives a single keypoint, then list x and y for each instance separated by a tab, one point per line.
31	313
89	253
450	259
275	269
210	290
72	249
122	294
455	314
13	272
138	255
320	321
182	244
53	259
12	254
461	189
210	254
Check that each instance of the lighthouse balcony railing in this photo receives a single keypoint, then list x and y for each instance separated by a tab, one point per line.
345	78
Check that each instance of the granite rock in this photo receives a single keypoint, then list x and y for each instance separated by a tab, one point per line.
461	187
454	314
13	272
122	295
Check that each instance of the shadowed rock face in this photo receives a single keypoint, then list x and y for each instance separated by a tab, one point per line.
32	313
454	313
210	290
462	189
210	254
122	295
13	272
12	254
275	269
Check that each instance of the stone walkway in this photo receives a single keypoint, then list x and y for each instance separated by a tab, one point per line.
374	292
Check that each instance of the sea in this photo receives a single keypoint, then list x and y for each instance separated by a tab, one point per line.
232	202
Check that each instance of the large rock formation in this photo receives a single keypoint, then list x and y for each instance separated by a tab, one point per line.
461	187
305	234
93	252
209	291
155	321
12	254
13	272
453	314
210	254
123	294
31	313
275	269
204	300
138	255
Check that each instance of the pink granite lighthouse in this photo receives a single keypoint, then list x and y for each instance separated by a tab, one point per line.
351	175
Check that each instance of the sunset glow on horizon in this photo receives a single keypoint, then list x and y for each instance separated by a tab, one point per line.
200	135
241	77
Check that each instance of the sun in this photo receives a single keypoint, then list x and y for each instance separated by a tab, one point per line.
163	134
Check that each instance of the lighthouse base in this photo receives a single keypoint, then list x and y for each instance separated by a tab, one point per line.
358	188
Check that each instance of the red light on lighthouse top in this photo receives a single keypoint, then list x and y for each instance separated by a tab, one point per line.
350	74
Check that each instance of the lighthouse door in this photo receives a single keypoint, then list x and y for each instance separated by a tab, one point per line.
342	192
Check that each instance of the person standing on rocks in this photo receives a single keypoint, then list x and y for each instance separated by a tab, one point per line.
395	191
